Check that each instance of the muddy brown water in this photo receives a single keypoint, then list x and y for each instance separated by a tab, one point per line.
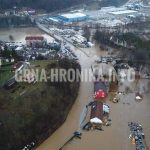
114	137
19	34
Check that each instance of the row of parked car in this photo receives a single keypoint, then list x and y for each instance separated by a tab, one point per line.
66	52
137	136
118	62
104	60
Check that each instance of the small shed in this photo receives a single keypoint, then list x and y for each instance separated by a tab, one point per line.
17	66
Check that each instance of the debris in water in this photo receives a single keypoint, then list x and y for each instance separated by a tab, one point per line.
76	134
138	97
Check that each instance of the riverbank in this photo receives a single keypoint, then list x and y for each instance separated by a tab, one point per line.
34	111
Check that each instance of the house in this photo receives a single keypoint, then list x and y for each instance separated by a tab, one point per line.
100	90
54	46
17	66
31	12
35	41
20	51
96	118
42	52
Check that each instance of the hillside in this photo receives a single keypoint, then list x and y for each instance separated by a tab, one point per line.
32	112
52	5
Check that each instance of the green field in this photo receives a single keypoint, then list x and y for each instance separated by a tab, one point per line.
5	74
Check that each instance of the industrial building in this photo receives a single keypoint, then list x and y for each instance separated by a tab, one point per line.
73	17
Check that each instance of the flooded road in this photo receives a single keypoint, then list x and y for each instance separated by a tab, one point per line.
114	137
73	120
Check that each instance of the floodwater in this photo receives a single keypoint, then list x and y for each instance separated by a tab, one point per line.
19	34
73	120
114	137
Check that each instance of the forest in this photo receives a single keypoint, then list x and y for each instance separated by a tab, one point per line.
136	51
49	5
15	21
52	5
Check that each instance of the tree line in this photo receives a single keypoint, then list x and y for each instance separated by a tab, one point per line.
15	21
52	5
136	49
49	5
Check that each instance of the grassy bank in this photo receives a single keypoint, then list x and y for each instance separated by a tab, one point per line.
5	73
32	112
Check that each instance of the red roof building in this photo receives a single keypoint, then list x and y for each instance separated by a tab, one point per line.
17	66
35	41
100	90
36	38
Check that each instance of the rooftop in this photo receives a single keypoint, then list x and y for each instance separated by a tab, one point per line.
53	19
34	38
97	110
122	12
73	15
100	86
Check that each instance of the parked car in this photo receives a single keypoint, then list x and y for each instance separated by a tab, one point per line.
109	59
104	60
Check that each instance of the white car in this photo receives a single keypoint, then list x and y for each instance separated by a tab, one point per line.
104	60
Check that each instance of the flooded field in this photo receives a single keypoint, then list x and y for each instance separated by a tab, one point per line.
19	34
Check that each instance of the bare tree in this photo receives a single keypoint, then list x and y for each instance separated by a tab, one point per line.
11	38
87	33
